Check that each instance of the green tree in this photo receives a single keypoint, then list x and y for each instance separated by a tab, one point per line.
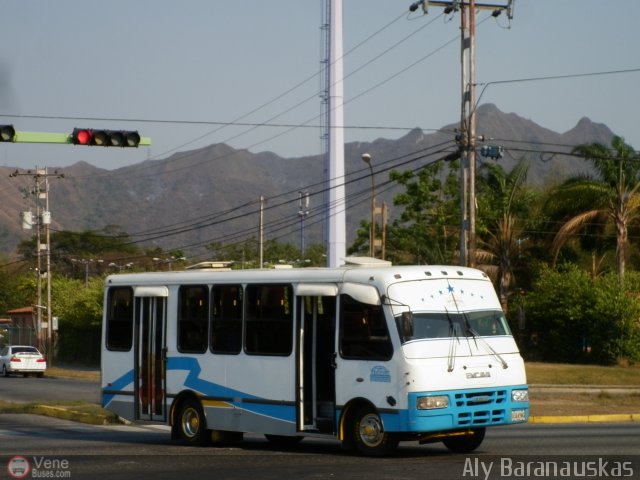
504	202
17	285
86	243
79	310
611	197
247	255
426	231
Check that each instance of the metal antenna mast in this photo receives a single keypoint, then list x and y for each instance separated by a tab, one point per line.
336	220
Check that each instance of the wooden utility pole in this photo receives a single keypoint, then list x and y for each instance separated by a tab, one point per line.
467	137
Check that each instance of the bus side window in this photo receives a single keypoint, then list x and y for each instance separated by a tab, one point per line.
226	319
363	331
193	318
119	335
269	320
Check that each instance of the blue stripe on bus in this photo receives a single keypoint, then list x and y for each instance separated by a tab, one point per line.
119	384
208	389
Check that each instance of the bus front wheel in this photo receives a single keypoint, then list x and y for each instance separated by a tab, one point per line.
192	424
368	435
467	443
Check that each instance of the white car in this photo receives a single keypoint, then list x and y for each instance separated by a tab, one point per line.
22	359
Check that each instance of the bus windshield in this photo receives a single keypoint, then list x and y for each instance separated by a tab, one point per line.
483	323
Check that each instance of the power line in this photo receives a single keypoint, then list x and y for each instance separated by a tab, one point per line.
552	77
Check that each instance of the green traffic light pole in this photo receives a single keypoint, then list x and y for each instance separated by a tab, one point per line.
59	138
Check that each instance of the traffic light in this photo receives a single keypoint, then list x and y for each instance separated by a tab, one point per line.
492	151
7	133
105	138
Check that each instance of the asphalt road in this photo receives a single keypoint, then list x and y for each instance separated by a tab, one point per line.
64	449
32	389
80	451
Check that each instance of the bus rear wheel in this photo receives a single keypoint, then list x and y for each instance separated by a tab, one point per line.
368	435
192	424
466	443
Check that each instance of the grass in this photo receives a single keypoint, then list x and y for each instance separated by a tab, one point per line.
596	401
566	374
84	374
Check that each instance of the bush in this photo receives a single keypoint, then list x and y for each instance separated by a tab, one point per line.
572	317
79	308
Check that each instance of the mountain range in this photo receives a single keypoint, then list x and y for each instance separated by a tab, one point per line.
212	194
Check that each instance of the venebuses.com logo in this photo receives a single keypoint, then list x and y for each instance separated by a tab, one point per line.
38	467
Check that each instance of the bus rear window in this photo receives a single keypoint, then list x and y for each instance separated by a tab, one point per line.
119	331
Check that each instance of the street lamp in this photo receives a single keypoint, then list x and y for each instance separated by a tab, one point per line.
121	267
366	158
169	260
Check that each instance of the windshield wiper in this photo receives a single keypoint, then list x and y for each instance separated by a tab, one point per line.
453	333
483	342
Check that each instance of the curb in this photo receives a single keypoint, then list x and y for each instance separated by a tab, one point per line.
67	413
613	418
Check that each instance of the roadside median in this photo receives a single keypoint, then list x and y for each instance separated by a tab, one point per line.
77	412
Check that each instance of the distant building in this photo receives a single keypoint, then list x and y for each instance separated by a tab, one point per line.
20	327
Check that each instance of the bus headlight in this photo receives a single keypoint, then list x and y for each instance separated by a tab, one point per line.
520	395
430	403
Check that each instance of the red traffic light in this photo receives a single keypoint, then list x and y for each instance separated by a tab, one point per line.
82	136
105	138
7	133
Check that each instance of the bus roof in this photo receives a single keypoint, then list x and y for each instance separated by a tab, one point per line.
352	273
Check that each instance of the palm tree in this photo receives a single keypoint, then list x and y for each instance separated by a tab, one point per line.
611	197
504	202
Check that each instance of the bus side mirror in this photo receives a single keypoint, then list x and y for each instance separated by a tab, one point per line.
406	325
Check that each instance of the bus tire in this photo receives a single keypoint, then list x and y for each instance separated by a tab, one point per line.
192	424
368	435
465	444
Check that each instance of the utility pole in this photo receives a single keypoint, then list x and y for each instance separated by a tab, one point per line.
303	212
468	132
261	233
467	137
43	219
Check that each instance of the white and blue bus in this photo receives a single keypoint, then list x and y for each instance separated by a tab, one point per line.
369	353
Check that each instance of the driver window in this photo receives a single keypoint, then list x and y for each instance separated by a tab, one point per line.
363	331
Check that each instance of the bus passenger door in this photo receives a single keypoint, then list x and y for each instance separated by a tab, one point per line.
150	361
316	363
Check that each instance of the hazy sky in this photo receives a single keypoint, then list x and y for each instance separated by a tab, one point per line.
179	71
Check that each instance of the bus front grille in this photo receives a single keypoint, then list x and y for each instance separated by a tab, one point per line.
484	407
